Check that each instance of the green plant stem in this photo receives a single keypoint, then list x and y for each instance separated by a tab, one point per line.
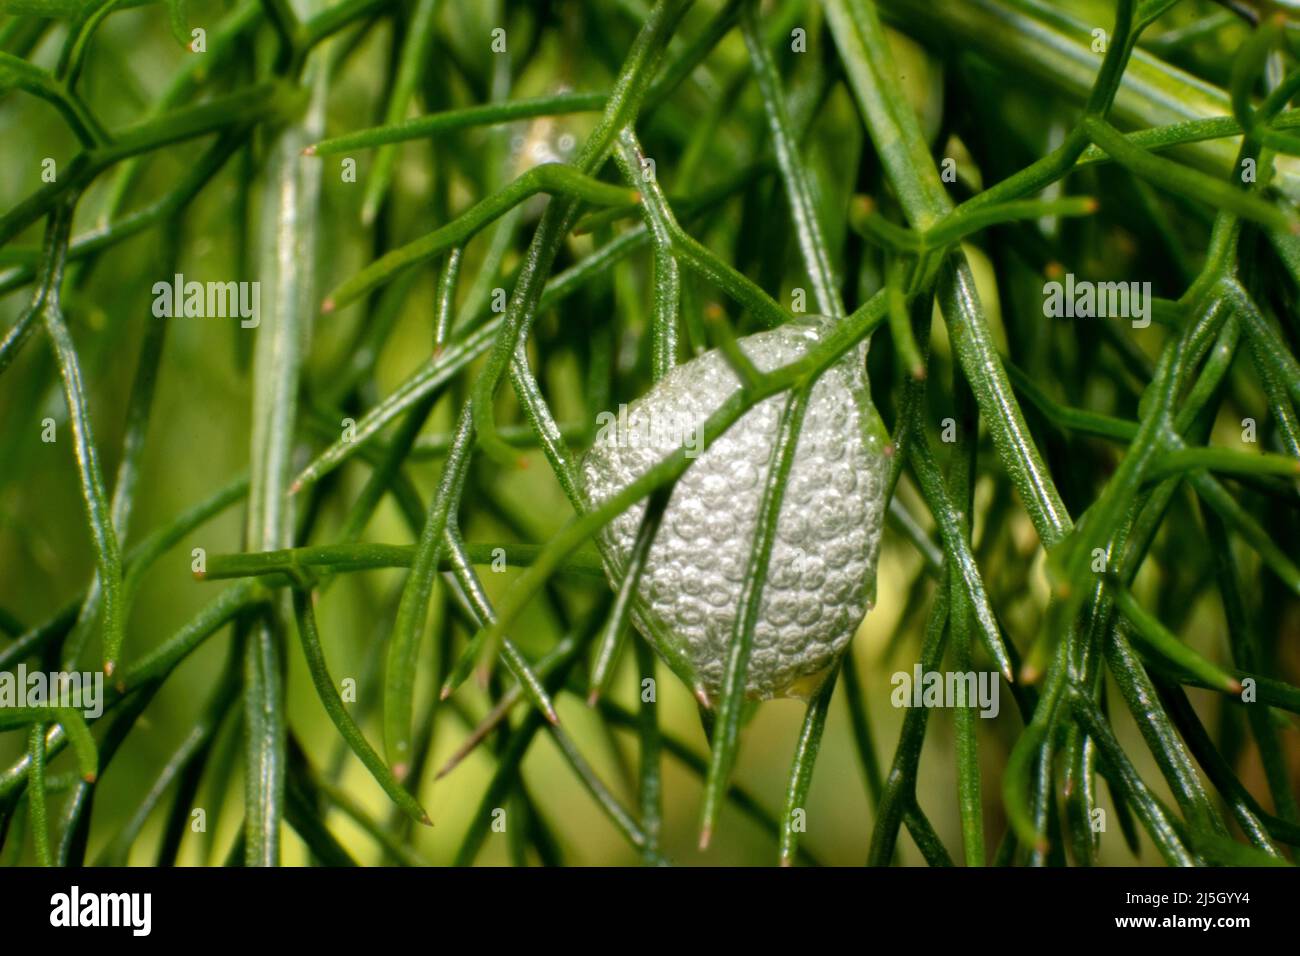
621	109
801	768
803	213
649	776
451	120
549	177
329	696
408	629
291	195
1158	820
40	824
616	625
98	512
727	726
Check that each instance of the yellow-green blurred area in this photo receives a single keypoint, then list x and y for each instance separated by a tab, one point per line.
199	433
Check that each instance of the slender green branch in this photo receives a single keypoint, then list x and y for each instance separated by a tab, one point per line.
727	726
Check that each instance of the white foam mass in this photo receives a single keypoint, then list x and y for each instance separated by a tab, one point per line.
828	534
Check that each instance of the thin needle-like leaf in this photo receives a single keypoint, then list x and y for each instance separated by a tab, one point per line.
801	768
549	177
616	625
98	512
946	515
291	196
36	795
399	672
413	61
329	696
482	613
727	726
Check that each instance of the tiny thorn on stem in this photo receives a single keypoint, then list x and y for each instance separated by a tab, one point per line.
309	150
327	306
